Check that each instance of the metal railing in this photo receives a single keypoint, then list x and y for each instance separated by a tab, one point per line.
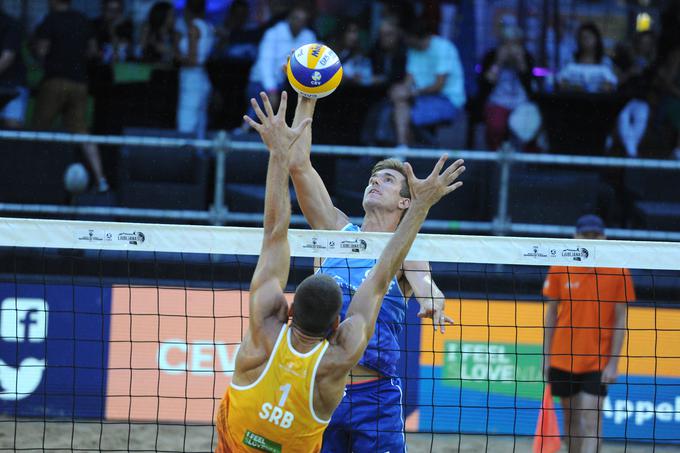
219	213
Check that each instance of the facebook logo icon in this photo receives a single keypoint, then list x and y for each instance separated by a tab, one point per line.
23	320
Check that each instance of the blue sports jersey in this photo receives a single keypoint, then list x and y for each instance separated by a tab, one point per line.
382	353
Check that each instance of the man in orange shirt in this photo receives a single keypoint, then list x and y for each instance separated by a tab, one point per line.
584	328
289	378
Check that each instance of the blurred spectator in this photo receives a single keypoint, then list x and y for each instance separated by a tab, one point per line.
636	65
388	56
195	43
505	83
64	42
433	91
157	39
388	64
669	75
237	37
669	72
591	70
113	32
12	73
276	45
669	37
356	66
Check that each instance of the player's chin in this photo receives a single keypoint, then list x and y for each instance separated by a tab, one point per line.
369	202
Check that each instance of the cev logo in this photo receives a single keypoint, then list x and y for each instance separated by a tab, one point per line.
22	320
316	76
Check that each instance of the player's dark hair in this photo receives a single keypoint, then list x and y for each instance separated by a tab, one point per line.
316	304
397	165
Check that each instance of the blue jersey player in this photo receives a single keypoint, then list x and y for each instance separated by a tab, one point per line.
369	417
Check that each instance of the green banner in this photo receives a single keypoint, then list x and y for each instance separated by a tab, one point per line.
261	443
505	368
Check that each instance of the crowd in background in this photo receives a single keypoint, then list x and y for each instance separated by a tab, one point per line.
415	77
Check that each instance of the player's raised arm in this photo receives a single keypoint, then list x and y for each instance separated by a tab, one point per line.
271	272
315	202
363	310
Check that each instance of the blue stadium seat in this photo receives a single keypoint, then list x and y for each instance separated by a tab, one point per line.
162	178
34	171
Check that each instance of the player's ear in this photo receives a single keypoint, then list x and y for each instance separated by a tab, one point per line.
290	310
404	203
335	324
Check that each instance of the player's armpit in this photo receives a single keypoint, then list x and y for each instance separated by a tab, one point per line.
267	303
349	343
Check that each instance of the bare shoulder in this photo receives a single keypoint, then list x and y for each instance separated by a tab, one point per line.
255	350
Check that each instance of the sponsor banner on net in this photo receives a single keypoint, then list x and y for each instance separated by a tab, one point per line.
566	255
349	246
104	237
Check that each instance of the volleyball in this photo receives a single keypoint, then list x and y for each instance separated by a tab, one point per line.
76	178
314	70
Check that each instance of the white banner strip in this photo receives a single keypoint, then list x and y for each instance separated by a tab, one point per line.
306	243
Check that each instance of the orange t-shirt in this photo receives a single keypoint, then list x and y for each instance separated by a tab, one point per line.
586	312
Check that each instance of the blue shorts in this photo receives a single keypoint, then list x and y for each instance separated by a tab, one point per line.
368	419
431	109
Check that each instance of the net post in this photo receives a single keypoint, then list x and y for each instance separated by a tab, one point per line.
505	158
221	145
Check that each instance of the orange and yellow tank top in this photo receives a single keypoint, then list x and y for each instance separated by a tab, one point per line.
275	413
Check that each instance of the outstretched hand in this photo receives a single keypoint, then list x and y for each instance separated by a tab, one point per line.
433	308
275	133
426	192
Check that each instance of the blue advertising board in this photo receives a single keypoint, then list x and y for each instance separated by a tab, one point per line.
53	349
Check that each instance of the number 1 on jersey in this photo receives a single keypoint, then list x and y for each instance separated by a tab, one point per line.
285	388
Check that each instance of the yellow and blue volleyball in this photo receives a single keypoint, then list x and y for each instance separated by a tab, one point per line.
314	70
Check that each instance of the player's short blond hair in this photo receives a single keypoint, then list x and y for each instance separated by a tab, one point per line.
397	165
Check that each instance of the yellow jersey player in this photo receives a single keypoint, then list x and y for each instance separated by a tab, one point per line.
289	378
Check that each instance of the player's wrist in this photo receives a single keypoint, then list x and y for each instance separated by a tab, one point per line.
299	165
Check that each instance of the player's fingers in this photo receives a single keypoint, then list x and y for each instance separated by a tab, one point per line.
258	111
445	321
449	177
267	104
283	105
454	167
453	187
438	166
409	172
255	125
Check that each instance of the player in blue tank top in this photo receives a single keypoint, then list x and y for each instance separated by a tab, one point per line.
369	417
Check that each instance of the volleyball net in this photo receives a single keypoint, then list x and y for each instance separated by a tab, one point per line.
122	337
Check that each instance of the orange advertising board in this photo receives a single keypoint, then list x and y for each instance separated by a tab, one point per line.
172	351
